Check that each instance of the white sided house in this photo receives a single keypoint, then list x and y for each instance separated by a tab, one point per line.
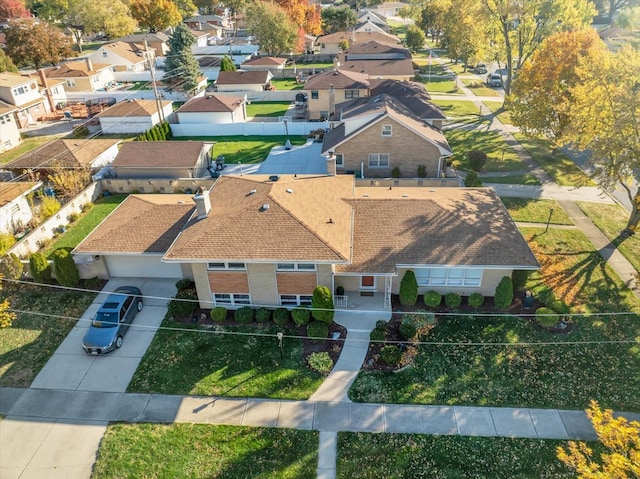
213	108
15	212
134	116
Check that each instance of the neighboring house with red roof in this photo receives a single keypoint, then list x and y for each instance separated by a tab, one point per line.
379	134
327	89
83	75
213	108
162	159
134	116
15	210
272	64
243	81
270	241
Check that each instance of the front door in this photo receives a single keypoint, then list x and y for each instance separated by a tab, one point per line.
368	283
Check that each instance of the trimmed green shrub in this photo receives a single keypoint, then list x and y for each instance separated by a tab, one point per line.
281	316
407	329
408	288
66	270
422	171
6	241
244	314
322	305
475	300
544	320
395	172
92	283
301	316
377	335
49	206
11	267
390	354
181	309
263	315
40	268
472	180
558	306
218	314
317	329
452	300
504	293
418	320
477	159
382	325
519	278
320	362
184	284
432	299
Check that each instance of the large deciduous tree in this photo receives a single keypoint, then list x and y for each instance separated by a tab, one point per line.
464	37
541	95
155	15
415	38
36	44
10	9
186	8
181	67
273	28
604	118
525	24
621	439
337	19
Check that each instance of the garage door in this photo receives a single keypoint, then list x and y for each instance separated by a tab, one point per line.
142	267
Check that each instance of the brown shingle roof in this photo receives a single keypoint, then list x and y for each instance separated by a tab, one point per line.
357	37
295	227
372	68
9	79
438	226
133	108
267	61
70	153
375	47
212	103
75	70
411	94
243	78
140	224
10	190
341	80
161	154
127	51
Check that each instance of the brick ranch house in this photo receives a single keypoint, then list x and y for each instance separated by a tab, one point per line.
271	240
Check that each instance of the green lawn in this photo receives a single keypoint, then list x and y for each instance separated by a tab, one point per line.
200	362
526	179
27	144
529	210
79	230
286	84
457	108
396	456
268	108
611	220
245	149
563	171
498	108
27	345
454	369
479	88
200	451
500	156
437	84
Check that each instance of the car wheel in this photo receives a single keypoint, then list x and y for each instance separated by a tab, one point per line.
139	305
119	341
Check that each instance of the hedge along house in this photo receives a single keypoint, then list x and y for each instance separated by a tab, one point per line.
263	240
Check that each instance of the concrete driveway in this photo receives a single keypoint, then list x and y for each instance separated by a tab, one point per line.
36	448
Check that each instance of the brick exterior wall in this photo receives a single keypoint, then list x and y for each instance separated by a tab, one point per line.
316	106
406	149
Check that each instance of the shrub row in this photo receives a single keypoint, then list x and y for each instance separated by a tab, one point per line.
159	132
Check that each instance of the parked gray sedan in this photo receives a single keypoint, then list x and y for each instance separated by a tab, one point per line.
112	320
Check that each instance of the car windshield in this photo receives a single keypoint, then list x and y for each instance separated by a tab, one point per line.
105	320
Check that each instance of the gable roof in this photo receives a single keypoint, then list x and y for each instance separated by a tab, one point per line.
375	47
368	16
209	61
10	190
340	80
378	67
125	50
69	153
75	70
412	95
160	154
135	107
467	227
306	220
141	37
266	61
357	37
11	80
254	77
212	103
7	108
140	224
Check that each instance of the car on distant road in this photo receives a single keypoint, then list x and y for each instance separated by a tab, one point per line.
112	320
480	68
494	80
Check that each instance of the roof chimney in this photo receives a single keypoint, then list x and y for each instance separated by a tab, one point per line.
203	203
47	92
89	64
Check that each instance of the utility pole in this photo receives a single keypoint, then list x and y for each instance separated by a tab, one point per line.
149	56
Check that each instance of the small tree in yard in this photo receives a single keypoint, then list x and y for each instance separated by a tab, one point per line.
66	270
408	288
477	159
40	268
472	180
504	293
227	65
322	305
181	67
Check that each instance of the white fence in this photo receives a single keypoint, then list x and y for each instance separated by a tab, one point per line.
132	76
250	128
122	95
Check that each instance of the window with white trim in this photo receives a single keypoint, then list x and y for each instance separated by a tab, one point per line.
378	160
295	267
70	82
448	276
295	300
232	298
387	130
226	266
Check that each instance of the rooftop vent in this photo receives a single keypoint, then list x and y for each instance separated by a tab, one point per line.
253	192
405	195
264	207
365	195
289	190
377	99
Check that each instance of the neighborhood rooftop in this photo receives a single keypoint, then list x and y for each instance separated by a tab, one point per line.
159	154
